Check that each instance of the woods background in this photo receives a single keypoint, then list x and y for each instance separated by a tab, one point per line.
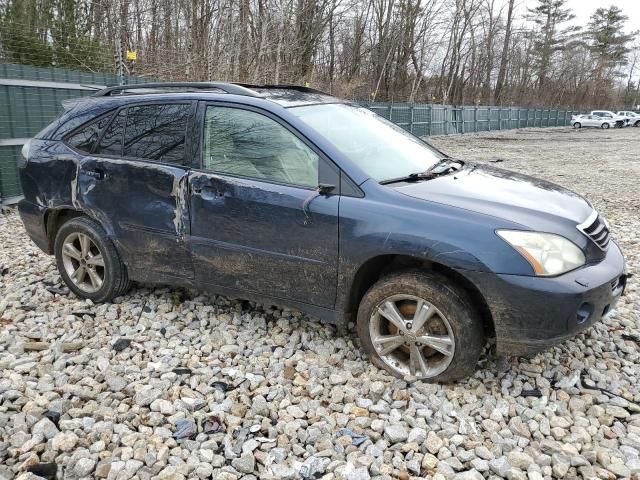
489	52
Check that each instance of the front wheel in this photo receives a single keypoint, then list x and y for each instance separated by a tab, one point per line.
418	325
605	125
88	261
577	125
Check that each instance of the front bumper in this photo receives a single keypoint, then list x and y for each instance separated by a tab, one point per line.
531	313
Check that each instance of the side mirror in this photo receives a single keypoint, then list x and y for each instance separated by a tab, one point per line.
325	188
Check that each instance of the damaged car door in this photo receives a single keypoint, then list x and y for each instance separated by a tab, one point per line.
258	222
134	181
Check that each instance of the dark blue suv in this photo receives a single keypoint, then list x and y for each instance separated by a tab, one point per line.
286	195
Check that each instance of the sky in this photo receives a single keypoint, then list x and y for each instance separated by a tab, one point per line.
584	8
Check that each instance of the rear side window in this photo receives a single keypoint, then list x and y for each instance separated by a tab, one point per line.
157	132
86	137
111	141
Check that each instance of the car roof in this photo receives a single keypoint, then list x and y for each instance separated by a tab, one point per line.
285	95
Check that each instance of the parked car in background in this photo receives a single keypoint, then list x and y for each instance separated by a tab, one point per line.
579	121
619	121
288	196
633	118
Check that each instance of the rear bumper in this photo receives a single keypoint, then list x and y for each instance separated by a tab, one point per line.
533	313
33	218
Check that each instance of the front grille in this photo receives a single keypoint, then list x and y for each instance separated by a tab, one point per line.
614	284
596	229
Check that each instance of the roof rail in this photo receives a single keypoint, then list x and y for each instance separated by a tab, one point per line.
231	88
283	86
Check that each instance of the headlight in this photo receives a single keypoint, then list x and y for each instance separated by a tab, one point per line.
547	253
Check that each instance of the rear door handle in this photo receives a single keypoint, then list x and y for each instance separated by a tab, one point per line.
97	173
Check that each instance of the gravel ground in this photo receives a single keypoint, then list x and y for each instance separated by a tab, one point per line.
173	384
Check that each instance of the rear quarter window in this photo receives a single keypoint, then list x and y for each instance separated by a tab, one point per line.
111	140
85	138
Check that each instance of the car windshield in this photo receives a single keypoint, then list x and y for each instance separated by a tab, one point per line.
380	148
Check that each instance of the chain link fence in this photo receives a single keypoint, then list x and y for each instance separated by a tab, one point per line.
31	96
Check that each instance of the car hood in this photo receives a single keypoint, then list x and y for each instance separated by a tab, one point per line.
518	198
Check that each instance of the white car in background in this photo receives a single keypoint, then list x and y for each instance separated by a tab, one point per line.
634	118
618	121
579	121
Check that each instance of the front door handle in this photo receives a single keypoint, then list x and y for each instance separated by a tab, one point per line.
198	190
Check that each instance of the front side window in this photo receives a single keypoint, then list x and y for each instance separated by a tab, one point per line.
381	149
85	138
157	132
249	144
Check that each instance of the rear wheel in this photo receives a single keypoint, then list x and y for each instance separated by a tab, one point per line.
577	125
605	126
418	325
88	261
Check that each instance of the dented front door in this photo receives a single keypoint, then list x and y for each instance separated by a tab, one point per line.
255	236
258	223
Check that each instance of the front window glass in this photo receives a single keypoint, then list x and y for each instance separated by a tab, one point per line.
381	149
249	144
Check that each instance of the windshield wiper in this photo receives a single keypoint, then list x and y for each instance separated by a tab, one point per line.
442	167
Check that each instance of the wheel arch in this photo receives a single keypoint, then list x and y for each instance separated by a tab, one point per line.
54	218
382	265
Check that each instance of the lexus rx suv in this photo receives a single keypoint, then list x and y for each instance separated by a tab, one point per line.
285	195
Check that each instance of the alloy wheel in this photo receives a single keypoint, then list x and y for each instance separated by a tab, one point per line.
412	336
83	262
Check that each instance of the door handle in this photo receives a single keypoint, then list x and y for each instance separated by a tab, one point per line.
97	173
199	190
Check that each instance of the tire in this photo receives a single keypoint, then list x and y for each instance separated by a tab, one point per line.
637	124
454	318
605	126
577	125
101	258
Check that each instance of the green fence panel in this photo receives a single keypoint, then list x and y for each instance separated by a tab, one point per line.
9	181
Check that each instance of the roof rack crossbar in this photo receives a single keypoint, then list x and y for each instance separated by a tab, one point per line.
230	88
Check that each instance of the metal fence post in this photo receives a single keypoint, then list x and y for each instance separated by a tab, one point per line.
411	118
475	118
446	120
429	118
